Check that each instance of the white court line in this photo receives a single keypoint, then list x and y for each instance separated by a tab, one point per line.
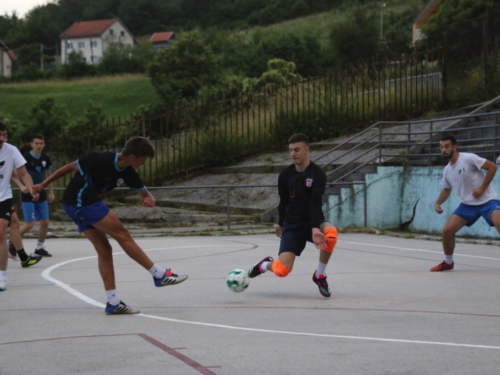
46	275
419	250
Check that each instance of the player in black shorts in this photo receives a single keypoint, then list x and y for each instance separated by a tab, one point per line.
98	173
301	187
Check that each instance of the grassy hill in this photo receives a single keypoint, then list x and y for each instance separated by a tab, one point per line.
118	95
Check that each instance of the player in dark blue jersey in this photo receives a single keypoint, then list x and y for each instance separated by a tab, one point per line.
39	167
98	173
301	187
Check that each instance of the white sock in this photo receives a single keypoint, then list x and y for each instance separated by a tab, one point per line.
448	259
321	269
157	271
112	297
39	245
3	275
263	267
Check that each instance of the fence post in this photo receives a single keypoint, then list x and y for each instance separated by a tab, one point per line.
228	205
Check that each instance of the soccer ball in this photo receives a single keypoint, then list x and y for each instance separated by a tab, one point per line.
237	280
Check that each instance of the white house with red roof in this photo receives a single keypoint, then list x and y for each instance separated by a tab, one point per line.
7	58
162	40
422	18
92	38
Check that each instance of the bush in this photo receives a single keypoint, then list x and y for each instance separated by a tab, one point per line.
220	152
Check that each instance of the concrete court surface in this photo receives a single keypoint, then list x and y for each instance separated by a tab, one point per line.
388	314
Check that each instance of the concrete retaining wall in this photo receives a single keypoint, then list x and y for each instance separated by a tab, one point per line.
401	197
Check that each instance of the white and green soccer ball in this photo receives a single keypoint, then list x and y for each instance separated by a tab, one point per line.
237	280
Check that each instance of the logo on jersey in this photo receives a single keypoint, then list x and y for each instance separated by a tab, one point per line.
309	182
2	163
120	182
44	163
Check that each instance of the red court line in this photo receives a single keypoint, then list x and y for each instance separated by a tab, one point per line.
174	353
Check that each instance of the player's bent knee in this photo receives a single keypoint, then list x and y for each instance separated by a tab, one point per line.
280	269
331	239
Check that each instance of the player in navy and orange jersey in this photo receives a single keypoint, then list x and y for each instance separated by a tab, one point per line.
301	187
99	172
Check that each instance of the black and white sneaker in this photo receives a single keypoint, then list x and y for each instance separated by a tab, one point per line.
320	281
255	270
121	308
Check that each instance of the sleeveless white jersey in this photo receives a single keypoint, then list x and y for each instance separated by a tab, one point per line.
10	159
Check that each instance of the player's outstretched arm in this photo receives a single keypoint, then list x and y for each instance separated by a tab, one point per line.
147	198
63	171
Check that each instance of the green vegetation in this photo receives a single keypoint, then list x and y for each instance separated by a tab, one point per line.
117	95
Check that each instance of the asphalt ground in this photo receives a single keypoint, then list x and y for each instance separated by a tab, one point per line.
387	315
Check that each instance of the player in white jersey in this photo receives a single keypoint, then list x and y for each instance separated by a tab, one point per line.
464	173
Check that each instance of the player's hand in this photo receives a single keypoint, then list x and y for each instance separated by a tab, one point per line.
37	188
35	196
278	229
148	202
24	190
478	193
438	208
319	240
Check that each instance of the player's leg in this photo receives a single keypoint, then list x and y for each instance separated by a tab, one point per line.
112	226
29	213
42	214
319	277
3	252
104	251
16	243
453	225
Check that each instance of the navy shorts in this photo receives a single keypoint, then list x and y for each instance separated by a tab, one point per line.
472	213
294	238
85	217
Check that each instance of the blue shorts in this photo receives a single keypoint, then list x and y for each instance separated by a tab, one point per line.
86	217
472	213
294	238
34	211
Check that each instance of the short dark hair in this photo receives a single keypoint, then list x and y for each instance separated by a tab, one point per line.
299	137
3	127
37	136
139	147
448	137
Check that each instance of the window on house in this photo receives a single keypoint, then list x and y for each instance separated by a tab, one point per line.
123	33
81	45
95	59
93	44
111	31
70	46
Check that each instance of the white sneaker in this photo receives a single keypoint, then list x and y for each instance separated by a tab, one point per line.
2	285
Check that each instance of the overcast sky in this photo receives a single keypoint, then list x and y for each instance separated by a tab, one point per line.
20	6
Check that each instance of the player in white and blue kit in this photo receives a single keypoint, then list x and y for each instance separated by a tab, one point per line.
464	173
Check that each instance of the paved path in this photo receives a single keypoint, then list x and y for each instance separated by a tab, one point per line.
388	314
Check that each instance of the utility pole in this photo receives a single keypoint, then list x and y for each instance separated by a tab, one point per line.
382	6
41	57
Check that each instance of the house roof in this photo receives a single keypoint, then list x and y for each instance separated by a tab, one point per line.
161	37
12	55
428	10
88	28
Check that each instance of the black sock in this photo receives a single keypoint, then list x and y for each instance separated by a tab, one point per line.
22	255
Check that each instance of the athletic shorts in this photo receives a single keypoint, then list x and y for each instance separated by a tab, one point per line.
85	217
35	210
294	238
6	209
472	213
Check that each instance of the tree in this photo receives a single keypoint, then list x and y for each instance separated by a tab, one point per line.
185	67
47	117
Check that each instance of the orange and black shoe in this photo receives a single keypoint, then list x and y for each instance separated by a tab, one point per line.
443	267
320	281
255	270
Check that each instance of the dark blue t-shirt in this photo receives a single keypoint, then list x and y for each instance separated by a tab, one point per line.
98	173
